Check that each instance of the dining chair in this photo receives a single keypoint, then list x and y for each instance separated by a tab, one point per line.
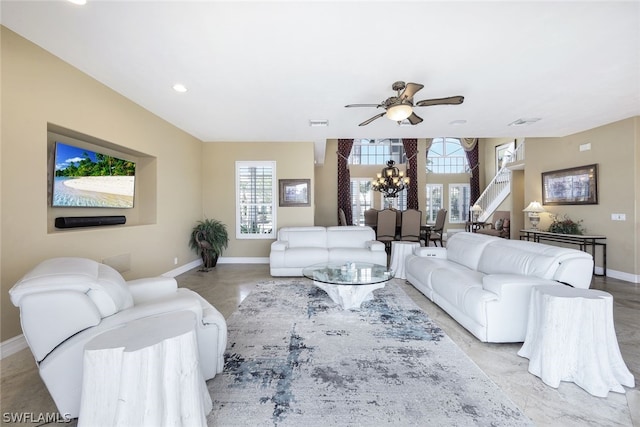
371	217
386	228
438	228
410	227
342	217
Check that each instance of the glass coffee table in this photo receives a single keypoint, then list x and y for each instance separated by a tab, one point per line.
348	284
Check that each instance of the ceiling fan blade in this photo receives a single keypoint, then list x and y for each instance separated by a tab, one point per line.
414	119
453	100
409	91
363	105
377	116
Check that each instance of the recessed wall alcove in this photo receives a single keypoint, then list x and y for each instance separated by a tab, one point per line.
144	210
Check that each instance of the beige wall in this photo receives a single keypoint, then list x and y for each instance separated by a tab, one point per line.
38	89
294	160
614	148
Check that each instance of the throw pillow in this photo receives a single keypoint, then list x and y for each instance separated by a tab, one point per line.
499	224
506	224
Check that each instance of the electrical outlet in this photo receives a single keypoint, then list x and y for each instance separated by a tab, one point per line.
585	147
618	217
175	261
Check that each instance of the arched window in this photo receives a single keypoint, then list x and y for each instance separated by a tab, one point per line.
446	155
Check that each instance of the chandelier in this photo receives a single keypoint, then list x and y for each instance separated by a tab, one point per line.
390	181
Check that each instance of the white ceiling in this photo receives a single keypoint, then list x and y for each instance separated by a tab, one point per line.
259	71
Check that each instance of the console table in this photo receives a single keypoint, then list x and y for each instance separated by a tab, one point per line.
583	241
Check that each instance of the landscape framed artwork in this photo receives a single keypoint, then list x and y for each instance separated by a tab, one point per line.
572	186
504	151
295	192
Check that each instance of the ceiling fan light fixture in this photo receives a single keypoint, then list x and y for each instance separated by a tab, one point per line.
399	112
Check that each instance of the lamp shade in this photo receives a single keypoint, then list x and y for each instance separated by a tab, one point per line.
476	208
399	112
534	207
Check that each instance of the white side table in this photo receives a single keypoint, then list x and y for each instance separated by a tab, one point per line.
145	373
399	252
571	337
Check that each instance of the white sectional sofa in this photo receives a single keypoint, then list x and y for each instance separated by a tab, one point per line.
485	282
299	247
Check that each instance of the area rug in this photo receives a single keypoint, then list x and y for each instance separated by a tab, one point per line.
294	358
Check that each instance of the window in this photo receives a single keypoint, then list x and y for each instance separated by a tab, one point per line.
434	201
399	202
361	198
255	200
377	151
446	155
459	202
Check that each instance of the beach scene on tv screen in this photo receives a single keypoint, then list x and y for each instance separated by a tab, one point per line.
84	178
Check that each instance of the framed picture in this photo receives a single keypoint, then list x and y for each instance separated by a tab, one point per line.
295	192
504	152
573	186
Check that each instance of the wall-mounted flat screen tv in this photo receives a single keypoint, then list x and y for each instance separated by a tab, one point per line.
85	178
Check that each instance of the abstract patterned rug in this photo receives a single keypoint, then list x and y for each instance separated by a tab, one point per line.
294	358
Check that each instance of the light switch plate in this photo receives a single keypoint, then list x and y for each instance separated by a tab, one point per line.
618	217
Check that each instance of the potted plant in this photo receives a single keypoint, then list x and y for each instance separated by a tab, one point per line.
209	238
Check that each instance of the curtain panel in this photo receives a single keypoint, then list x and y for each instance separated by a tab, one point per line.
411	150
470	146
344	180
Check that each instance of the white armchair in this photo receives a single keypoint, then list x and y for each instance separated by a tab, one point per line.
65	302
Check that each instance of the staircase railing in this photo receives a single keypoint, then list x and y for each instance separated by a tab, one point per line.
500	186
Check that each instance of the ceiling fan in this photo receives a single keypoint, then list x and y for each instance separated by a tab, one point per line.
400	107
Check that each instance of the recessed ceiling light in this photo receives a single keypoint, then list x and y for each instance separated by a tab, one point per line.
318	123
79	2
522	122
178	87
457	122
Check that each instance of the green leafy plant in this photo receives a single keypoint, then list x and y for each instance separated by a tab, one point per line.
565	225
208	239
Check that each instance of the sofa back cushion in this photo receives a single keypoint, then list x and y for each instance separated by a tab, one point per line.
352	236
466	248
304	237
101	283
507	259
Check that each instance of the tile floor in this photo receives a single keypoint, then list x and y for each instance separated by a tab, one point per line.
21	389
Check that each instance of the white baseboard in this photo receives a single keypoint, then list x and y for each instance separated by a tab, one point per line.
243	260
12	346
621	275
183	268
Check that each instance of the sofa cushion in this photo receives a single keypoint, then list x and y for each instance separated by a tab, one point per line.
498	258
308	237
342	255
454	284
352	236
304	257
466	248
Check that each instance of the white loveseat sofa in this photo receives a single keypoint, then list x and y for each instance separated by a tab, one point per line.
299	247
485	282
65	302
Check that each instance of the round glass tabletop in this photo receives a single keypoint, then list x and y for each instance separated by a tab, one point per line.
348	273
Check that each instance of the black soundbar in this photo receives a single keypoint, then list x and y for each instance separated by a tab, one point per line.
88	221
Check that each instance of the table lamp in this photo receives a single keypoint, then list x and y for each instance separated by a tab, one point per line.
476	210
534	210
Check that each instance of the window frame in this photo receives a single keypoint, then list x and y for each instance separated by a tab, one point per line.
463	211
274	200
445	156
428	201
357	207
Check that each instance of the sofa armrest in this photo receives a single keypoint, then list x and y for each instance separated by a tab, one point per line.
151	287
375	246
428	252
279	245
